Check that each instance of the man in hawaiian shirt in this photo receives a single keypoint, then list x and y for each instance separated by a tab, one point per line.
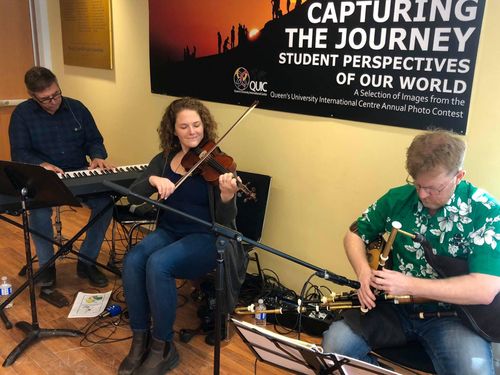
458	220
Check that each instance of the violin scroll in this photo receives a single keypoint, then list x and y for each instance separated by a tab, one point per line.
250	192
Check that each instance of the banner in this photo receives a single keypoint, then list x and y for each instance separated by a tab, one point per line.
404	63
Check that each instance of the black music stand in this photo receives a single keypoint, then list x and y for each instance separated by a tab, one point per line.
300	357
35	187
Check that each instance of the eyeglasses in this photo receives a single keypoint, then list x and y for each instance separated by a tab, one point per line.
429	190
48	99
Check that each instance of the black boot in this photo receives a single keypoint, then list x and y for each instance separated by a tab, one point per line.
137	353
162	357
91	272
47	278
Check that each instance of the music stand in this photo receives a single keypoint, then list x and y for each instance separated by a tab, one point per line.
300	357
35	187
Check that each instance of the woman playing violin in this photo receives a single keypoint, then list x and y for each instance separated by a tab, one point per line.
177	248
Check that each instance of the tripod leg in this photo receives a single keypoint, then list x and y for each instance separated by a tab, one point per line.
60	332
33	334
21	347
5	320
26	327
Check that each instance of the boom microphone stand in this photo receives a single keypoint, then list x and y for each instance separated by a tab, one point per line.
36	188
223	234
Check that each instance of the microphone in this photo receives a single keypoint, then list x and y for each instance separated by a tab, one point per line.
79	127
111	311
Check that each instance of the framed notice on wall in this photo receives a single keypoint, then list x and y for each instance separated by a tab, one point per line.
87	33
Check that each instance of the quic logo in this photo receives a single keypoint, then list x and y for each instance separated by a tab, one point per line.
242	82
241	78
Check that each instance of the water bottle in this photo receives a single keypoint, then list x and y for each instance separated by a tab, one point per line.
260	316
5	291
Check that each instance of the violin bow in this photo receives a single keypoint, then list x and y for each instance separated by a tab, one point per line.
204	155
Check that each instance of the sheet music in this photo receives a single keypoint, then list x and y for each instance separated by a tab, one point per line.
287	353
89	305
267	332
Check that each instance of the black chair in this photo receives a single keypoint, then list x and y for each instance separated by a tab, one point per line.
249	221
132	222
251	213
411	356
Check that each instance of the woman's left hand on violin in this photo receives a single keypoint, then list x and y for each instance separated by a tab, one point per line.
391	282
228	186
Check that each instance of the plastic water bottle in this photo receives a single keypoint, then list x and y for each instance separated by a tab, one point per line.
260	316
5	291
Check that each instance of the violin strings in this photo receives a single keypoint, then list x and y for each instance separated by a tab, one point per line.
222	169
211	159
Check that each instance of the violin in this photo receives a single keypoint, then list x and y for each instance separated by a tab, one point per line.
214	165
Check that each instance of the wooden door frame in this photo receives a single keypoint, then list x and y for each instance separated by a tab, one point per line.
36	18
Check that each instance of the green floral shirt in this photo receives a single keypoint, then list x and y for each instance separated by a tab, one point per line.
467	227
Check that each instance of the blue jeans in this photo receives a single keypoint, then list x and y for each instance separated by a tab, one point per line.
453	348
40	220
149	274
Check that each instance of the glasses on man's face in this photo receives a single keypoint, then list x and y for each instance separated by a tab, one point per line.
429	190
47	99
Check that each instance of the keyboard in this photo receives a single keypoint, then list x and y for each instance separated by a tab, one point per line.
85	182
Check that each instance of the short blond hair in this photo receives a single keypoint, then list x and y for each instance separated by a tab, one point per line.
433	149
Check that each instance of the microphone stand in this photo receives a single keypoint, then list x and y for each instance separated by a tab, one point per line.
224	234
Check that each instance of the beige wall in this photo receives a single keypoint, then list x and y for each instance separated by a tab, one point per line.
325	171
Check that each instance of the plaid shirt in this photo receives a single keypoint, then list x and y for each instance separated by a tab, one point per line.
63	139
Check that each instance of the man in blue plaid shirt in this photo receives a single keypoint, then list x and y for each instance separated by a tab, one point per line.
59	134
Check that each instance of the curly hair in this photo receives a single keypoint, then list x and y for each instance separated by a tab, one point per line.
437	148
168	140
